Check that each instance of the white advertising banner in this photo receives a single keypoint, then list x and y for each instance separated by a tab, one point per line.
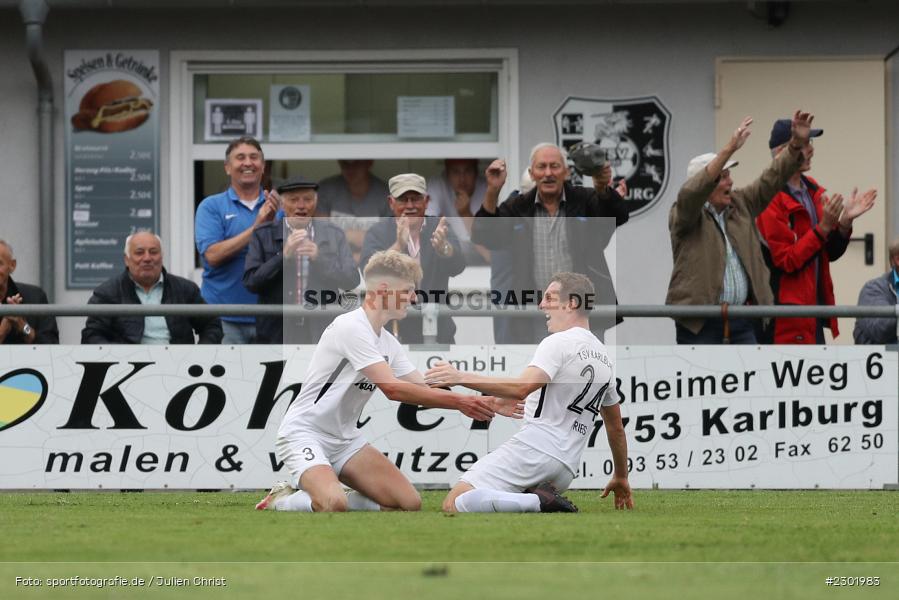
193	417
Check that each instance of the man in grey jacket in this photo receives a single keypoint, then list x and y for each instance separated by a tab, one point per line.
716	247
880	291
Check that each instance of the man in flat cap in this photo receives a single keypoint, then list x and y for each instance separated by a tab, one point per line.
426	239
804	231
298	260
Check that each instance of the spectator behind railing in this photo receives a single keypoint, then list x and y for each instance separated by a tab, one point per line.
539	243
354	199
804	231
145	281
426	239
880	291
298	260
458	194
716	247
19	330
223	227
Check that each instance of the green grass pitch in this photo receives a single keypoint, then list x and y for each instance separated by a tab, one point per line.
676	544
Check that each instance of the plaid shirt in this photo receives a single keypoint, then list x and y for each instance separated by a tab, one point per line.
735	288
551	253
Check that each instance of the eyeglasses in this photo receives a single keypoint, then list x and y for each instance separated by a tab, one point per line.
418	199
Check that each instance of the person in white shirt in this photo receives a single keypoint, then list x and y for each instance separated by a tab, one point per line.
318	439
457	194
568	383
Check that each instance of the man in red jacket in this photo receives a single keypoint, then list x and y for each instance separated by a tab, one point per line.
805	230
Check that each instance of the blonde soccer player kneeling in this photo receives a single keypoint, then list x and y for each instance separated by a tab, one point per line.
318	439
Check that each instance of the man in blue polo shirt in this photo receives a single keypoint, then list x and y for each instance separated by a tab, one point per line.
223	228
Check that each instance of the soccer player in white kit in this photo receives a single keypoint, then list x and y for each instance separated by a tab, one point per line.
318	439
568	383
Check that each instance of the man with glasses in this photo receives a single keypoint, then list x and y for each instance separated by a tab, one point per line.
426	239
717	250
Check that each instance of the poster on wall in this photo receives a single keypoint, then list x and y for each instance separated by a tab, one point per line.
173	417
289	115
111	157
634	134
426	116
227	119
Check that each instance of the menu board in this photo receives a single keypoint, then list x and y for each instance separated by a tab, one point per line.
112	157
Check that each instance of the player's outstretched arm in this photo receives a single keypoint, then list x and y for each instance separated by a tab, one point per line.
618	484
415	392
507	407
532	378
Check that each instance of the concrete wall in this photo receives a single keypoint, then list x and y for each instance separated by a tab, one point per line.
603	51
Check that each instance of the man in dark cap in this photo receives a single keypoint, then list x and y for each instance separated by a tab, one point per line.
298	260
804	231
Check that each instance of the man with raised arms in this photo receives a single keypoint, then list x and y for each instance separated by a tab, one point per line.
569	382
318	439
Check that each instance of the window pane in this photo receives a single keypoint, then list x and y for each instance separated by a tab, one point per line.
361	107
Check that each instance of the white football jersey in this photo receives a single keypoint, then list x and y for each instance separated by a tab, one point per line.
335	391
559	416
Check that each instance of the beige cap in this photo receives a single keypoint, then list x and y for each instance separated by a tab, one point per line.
698	163
407	182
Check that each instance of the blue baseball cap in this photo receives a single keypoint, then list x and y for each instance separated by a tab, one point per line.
783	131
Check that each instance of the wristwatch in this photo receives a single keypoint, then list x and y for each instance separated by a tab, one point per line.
26	331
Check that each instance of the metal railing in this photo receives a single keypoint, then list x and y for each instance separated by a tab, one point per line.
430	312
709	311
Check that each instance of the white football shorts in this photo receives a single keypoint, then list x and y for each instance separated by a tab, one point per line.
304	449
515	467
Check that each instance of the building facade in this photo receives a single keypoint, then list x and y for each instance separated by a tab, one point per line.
661	79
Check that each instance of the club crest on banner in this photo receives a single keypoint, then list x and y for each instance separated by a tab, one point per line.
634	134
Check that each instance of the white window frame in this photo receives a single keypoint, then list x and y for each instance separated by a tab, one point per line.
183	150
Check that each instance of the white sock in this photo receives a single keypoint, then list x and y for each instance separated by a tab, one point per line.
298	501
356	501
495	501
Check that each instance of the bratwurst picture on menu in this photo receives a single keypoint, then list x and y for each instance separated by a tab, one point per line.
112	107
